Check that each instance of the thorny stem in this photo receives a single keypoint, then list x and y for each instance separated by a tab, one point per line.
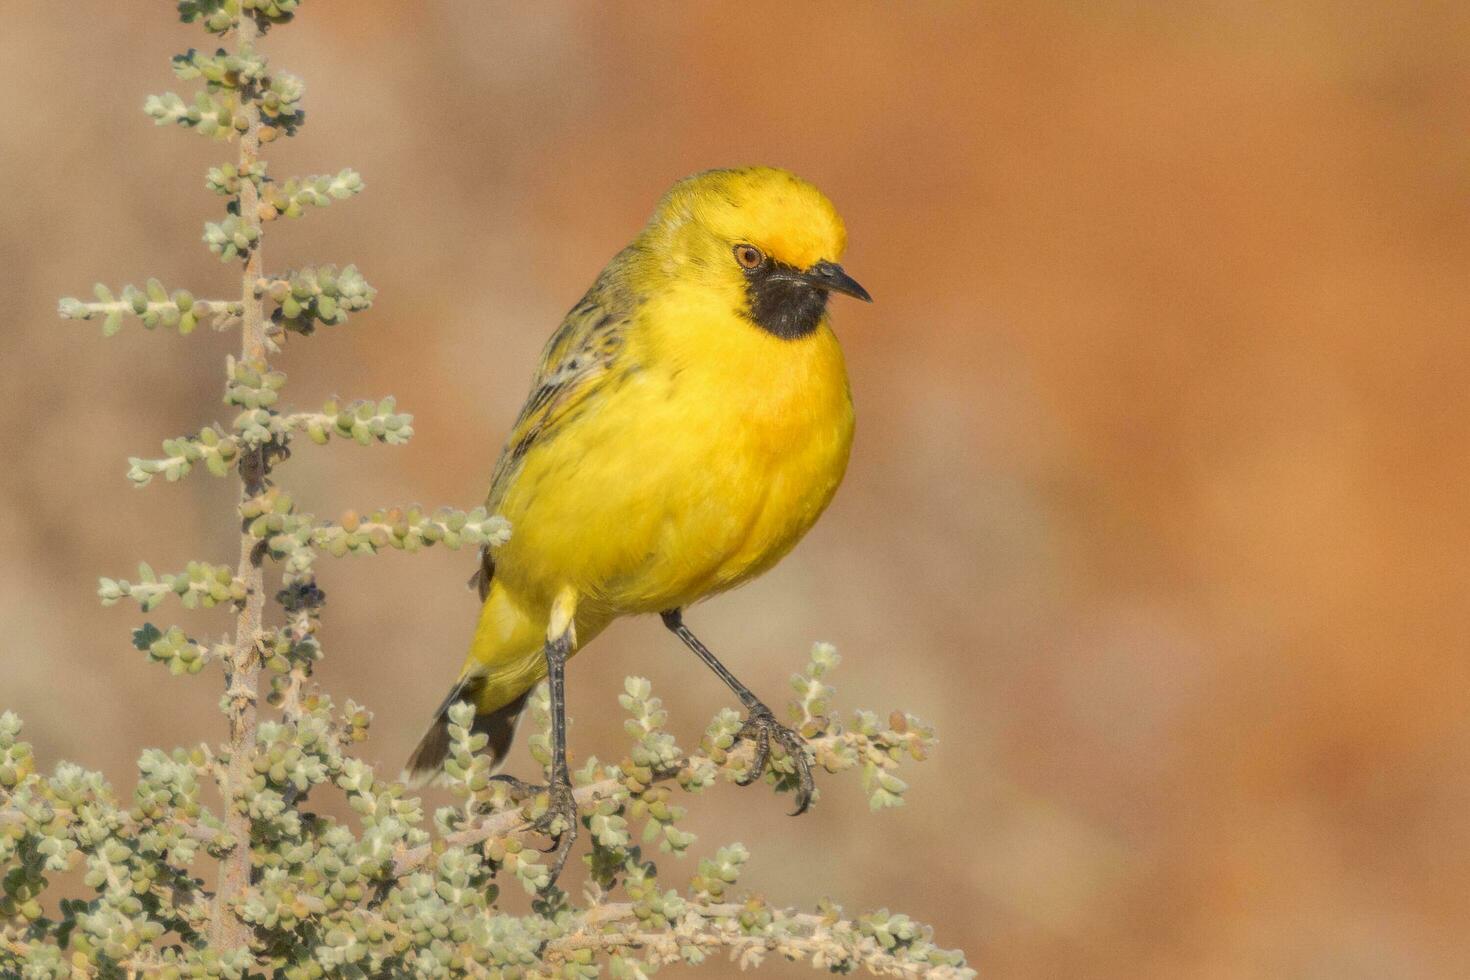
667	944
242	672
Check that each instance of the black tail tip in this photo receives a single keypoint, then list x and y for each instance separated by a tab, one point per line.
428	758
499	724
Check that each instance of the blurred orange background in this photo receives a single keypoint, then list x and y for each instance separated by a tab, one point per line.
1157	505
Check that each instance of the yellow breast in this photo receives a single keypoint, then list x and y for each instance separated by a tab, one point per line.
703	464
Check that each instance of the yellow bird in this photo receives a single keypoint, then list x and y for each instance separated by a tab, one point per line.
688	423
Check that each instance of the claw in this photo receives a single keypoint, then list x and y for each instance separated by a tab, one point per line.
762	736
762	726
559	803
519	787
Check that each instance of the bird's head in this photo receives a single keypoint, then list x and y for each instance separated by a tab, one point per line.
761	239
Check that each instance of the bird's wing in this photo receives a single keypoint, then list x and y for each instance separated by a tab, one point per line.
578	358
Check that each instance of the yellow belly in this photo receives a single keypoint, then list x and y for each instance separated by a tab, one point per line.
699	471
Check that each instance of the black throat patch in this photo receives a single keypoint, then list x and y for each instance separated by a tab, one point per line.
780	303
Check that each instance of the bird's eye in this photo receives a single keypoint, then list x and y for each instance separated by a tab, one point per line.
749	256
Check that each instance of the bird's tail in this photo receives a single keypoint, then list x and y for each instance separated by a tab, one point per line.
506	660
498	724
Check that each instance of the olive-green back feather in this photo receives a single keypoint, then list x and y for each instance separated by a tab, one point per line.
577	359
575	362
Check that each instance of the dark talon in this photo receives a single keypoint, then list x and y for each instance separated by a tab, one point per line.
559	803
762	726
762	736
519	787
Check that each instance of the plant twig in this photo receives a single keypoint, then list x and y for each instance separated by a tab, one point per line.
513	822
809	936
242	674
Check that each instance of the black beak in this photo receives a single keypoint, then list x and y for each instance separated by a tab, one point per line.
829	276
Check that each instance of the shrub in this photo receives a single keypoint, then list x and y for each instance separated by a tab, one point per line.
216	865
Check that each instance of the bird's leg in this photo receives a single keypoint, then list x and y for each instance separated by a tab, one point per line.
760	725
560	820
